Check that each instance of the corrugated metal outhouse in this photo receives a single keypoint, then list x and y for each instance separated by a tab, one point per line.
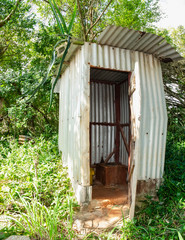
112	110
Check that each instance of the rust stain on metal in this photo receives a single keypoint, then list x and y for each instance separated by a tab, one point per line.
148	186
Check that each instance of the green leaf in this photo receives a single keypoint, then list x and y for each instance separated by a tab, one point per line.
59	71
180	236
72	19
61	18
57	18
48	70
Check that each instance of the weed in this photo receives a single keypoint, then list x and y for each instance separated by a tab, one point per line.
39	203
38	220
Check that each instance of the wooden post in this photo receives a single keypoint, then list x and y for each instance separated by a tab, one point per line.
124	140
117	107
109	156
130	135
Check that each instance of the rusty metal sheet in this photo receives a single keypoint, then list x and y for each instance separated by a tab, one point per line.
125	38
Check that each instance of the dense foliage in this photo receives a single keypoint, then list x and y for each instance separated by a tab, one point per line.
174	86
138	14
33	181
23	65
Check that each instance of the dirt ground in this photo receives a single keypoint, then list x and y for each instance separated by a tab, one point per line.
108	206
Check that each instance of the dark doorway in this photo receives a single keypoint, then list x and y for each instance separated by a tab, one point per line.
109	133
109	128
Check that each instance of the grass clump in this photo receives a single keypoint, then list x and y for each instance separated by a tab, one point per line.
35	189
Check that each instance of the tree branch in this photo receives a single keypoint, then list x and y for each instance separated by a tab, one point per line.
81	19
46	1
3	22
98	19
3	50
43	114
90	7
94	35
174	95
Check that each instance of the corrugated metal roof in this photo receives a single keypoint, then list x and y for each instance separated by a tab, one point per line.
139	41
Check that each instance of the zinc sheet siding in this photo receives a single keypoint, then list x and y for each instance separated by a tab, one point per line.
110	57
153	126
75	109
102	137
73	118
116	59
138	41
150	106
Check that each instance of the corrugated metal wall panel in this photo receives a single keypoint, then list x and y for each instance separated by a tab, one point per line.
110	57
116	59
85	115
153	120
73	121
102	111
153	117
75	79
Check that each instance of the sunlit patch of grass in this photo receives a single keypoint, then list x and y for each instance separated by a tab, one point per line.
35	189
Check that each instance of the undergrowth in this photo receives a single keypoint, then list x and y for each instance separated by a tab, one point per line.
37	196
164	218
35	189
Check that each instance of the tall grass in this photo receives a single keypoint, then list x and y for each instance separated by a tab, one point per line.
38	220
35	189
36	194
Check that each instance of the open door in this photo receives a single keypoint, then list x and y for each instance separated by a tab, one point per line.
132	163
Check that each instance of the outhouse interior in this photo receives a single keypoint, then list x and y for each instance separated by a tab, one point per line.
109	133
